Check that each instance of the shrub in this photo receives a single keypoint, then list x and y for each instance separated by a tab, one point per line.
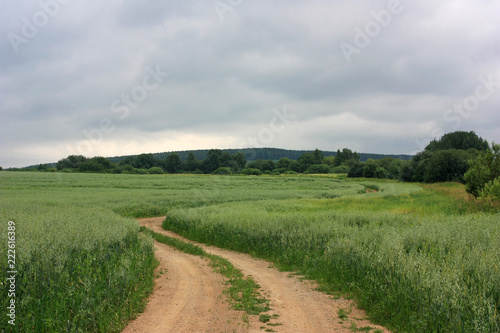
140	171
341	169
370	169
279	170
381	173
155	171
484	169
357	170
222	171
318	168
251	171
491	191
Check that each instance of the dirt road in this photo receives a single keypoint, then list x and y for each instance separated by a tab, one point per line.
188	297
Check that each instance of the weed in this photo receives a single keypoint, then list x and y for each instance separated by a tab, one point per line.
354	328
343	314
264	318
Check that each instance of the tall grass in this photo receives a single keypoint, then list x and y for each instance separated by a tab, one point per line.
83	267
414	270
79	269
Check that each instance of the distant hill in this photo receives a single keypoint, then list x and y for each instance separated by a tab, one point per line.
252	154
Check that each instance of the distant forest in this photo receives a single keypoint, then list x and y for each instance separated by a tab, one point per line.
443	160
253	154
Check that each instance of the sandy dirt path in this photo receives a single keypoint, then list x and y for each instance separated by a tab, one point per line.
298	307
188	297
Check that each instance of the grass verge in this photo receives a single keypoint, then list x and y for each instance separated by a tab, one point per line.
243	292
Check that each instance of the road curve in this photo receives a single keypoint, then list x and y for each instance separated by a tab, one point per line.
188	297
296	303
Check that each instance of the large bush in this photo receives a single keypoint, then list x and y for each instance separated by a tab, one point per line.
155	171
484	170
251	171
341	169
491	191
318	168
222	171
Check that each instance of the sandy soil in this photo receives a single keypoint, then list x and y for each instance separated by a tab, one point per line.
188	297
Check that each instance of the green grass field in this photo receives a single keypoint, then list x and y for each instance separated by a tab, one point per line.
417	258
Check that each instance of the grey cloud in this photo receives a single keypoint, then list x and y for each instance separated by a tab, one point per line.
226	76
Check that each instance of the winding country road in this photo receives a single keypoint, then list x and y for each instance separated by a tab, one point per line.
188	297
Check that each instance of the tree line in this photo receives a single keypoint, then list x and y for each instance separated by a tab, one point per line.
442	160
457	157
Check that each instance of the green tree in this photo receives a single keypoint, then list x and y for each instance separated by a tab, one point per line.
381	172
96	164
283	163
145	161
318	156
42	167
458	140
212	162
306	160
129	160
419	165
446	165
240	160
191	163
407	171
294	166
370	169
70	162
357	170
392	167
225	159
173	163
485	169
262	165
330	161
346	157
441	165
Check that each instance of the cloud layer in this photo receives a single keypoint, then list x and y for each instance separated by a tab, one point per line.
126	77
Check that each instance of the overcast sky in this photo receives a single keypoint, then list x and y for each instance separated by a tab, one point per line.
122	77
